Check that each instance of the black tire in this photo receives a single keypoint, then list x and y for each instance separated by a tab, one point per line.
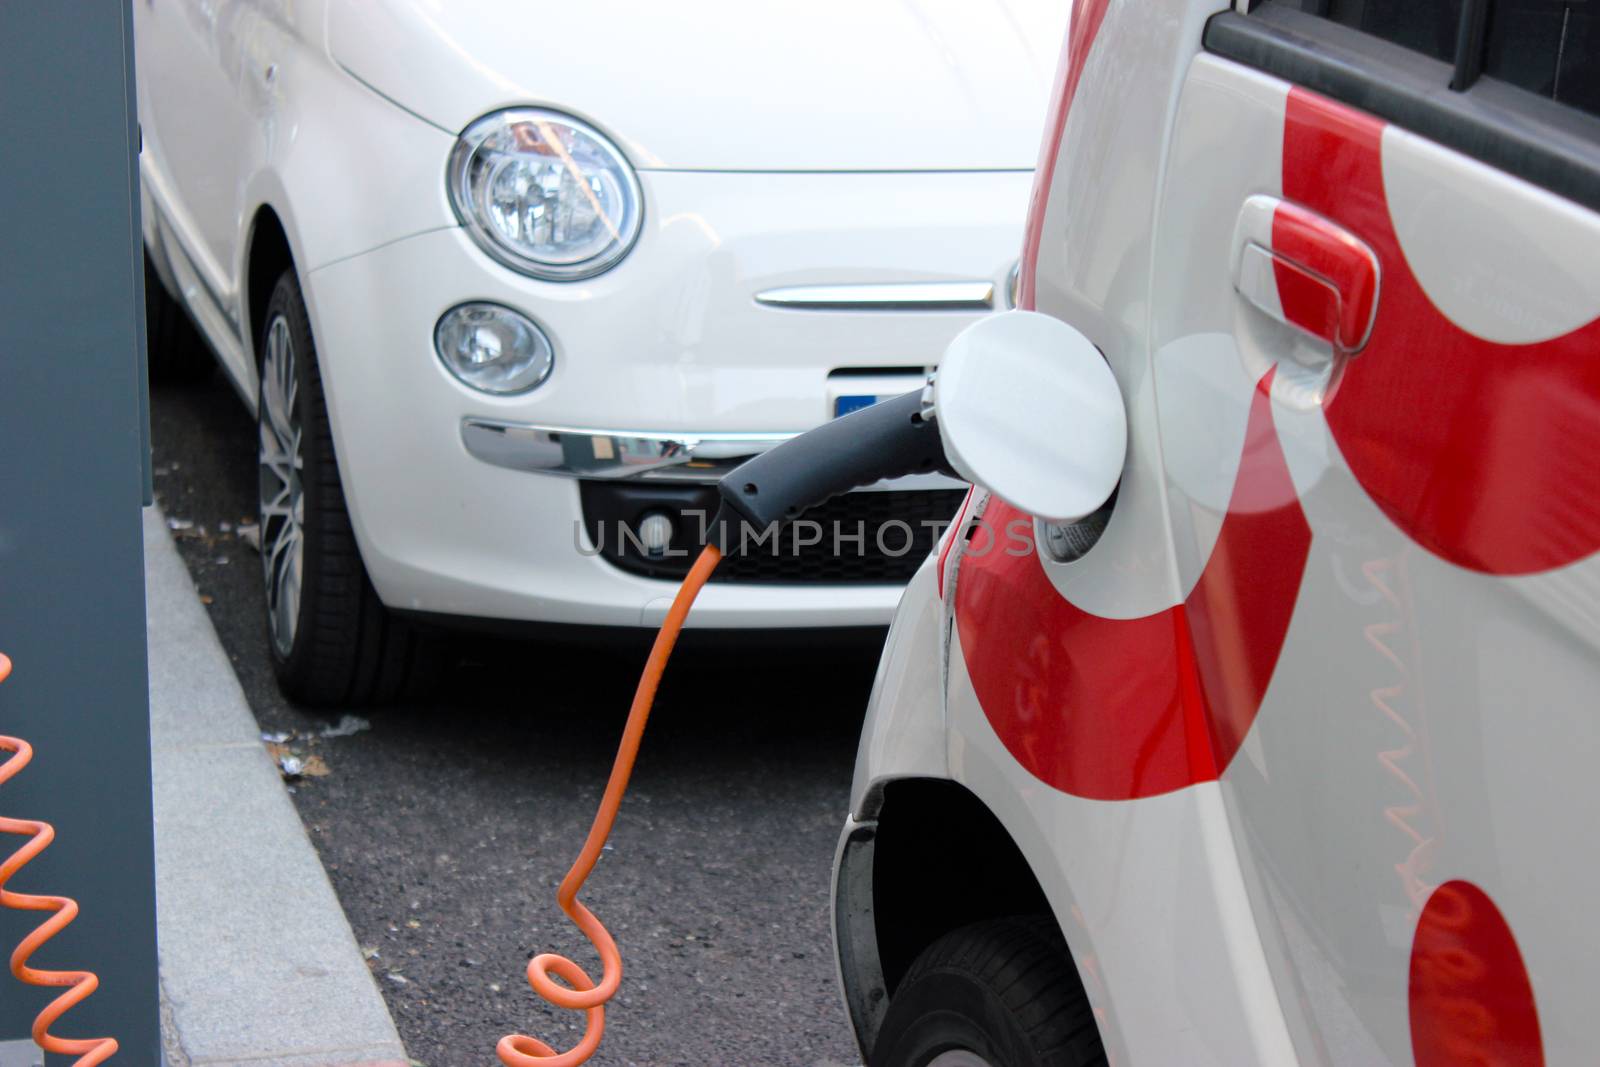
343	647
1004	990
175	351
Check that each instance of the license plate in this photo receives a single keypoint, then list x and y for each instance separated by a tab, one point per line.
844	405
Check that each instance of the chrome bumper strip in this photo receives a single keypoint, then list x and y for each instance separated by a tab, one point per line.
899	296
677	457
570	453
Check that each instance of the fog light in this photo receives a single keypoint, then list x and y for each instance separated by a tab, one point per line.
655	534
493	348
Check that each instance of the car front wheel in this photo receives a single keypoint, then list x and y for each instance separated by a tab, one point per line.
332	640
1001	993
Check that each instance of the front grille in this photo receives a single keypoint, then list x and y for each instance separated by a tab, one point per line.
898	528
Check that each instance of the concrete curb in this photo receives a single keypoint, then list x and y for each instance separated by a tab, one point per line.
258	964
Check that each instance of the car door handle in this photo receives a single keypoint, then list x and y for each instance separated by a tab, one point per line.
1307	271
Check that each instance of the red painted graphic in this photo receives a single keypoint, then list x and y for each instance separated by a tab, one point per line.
1084	26
956	529
1117	709
1481	452
1470	998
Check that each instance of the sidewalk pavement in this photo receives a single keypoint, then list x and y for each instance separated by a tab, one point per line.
258	965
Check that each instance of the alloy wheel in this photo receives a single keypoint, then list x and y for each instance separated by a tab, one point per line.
282	499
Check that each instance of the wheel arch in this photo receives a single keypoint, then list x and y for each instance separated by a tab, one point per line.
891	900
268	254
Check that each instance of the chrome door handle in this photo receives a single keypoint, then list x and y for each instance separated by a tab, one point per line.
1307	271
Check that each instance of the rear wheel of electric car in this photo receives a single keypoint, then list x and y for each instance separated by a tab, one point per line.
1001	993
175	350
332	640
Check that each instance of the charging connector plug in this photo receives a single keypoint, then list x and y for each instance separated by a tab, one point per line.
890	439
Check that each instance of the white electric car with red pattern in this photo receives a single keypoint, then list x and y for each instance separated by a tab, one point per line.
1284	754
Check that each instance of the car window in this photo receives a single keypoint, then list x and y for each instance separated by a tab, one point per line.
1519	91
1426	26
1550	47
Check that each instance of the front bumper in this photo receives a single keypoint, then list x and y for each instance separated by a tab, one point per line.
673	341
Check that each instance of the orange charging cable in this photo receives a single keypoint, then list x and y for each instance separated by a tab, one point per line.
580	992
89	1051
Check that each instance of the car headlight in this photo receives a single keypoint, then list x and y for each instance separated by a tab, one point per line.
545	194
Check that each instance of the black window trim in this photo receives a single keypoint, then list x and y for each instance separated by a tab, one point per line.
1469	45
1548	144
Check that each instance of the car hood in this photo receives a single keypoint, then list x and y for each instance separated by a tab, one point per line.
730	84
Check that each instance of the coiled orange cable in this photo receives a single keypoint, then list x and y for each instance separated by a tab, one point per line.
581	993
89	1051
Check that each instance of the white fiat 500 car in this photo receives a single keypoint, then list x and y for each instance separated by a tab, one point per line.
511	284
1284	751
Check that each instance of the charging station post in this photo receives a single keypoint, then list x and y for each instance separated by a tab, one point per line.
74	472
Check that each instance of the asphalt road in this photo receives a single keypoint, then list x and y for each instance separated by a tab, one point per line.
445	828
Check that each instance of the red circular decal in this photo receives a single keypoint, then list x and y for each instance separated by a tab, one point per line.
1471	1001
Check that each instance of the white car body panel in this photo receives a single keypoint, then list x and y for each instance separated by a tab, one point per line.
442	531
206	176
1151	893
928	85
827	187
1425	718
1386	635
903	733
1102	288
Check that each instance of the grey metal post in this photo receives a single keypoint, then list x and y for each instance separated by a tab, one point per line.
73	461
